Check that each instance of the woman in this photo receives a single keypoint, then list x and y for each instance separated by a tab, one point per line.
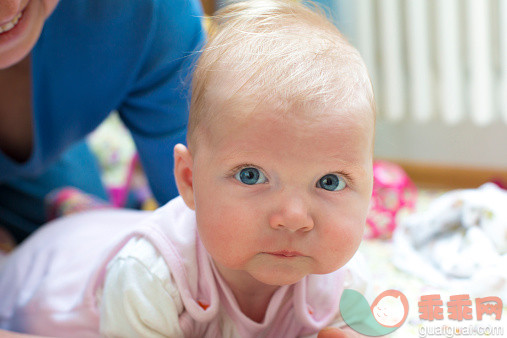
64	65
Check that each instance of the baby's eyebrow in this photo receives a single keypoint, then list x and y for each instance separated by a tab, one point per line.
345	174
351	171
243	165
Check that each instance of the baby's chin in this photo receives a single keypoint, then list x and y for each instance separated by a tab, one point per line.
278	278
291	276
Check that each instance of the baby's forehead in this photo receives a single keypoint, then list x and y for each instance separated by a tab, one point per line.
296	119
253	126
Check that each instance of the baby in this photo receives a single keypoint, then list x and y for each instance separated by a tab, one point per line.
275	186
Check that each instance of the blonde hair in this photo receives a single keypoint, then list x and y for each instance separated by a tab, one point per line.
275	50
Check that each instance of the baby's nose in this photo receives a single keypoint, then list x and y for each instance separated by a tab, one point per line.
292	214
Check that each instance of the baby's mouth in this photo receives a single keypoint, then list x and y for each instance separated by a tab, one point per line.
11	24
285	253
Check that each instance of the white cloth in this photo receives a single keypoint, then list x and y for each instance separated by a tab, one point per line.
459	243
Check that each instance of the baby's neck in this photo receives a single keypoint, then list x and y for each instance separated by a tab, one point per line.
255	304
252	296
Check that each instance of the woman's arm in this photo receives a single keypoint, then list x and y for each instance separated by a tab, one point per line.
156	109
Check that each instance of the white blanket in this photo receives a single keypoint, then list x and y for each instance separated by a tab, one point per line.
459	243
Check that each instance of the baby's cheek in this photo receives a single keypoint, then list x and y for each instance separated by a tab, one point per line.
222	237
339	245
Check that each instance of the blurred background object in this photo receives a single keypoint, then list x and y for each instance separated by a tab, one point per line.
394	195
439	70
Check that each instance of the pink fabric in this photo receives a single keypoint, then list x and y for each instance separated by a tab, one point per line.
48	286
44	284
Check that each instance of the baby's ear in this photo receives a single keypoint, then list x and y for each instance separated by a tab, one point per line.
183	164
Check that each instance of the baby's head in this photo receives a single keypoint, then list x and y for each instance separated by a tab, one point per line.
279	163
275	53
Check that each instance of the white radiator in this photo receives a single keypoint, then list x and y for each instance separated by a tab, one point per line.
436	60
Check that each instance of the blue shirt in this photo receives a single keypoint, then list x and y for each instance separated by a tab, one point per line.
97	56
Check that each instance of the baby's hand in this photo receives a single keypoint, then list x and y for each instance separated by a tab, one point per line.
333	332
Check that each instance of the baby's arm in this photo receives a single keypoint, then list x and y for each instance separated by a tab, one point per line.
333	332
8	334
139	298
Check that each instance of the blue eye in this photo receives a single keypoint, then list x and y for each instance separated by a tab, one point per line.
331	182
250	176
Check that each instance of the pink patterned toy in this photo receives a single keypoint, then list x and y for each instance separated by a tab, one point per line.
393	191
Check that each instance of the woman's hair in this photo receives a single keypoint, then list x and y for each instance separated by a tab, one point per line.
266	50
